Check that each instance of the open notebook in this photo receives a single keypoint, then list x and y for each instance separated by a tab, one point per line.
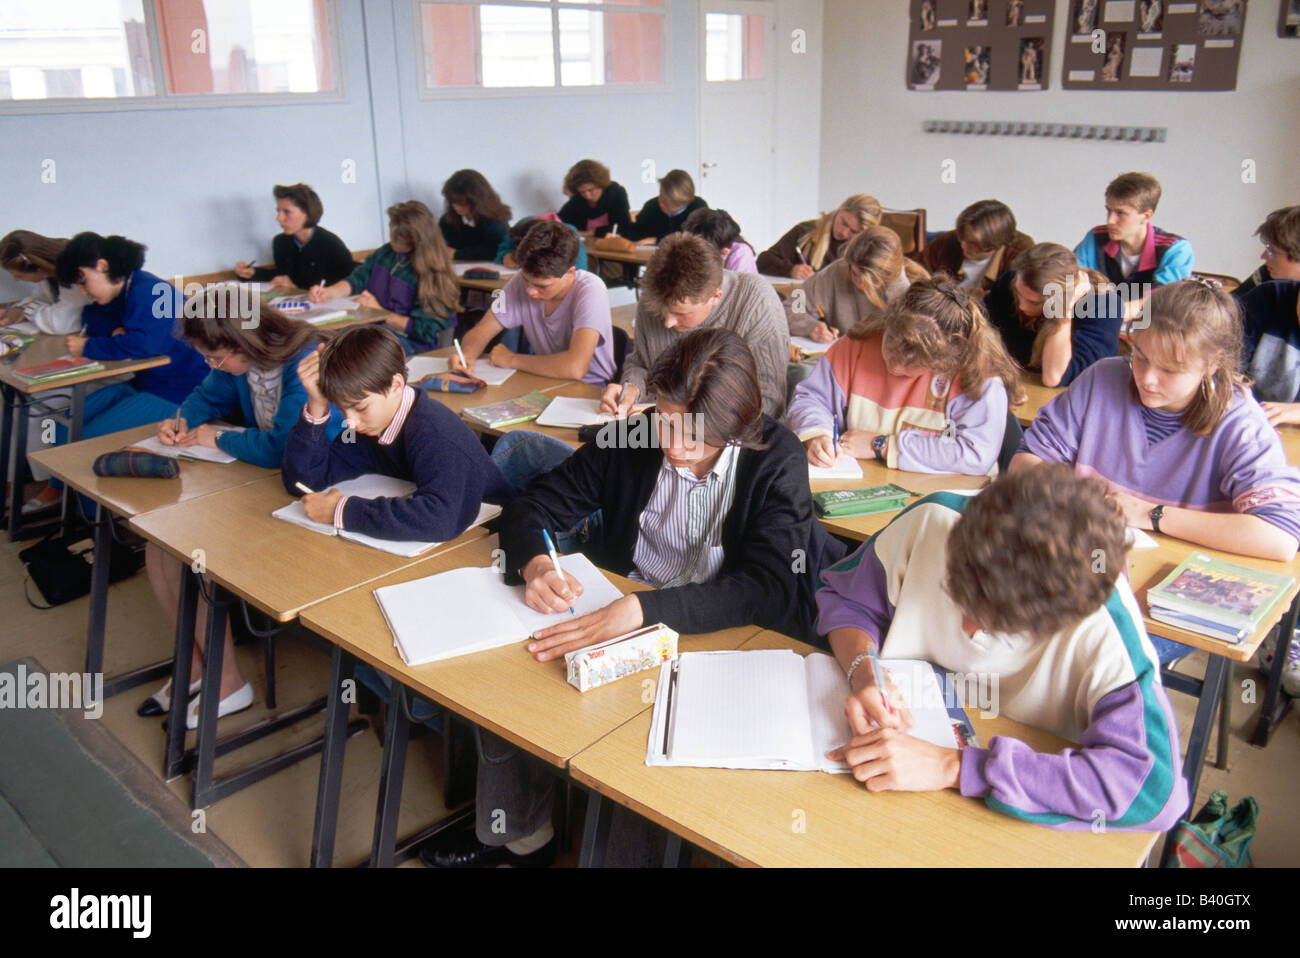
809	347
421	366
571	413
372	486
200	453
469	610
774	709
846	467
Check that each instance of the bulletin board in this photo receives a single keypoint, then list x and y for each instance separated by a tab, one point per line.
1174	45
979	44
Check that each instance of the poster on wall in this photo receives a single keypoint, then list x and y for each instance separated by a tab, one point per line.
979	44
1191	45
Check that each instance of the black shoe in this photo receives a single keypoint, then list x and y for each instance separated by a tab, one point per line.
462	849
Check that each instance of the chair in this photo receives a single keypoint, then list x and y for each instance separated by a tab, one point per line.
910	227
1010	441
622	349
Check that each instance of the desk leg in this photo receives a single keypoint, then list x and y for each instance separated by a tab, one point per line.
595	833
391	771
342	666
78	412
1276	705
1216	668
205	738
182	655
1225	715
99	590
8	403
19	431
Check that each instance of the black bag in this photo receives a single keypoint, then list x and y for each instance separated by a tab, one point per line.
62	574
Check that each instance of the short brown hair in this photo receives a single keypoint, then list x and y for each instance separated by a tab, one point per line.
1139	190
360	361
989	223
1281	229
1036	552
716	226
677	187
304	197
684	268
22	251
1192	320
711	373
547	249
583	172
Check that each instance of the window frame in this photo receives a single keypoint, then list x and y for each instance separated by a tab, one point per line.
162	100
478	91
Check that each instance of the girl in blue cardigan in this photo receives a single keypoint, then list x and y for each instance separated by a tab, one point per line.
253	372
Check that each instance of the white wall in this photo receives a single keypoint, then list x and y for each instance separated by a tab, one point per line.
872	140
798	116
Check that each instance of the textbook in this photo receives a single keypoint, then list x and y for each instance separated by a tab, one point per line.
508	412
469	610
846	467
837	503
774	709
420	367
373	486
195	453
58	369
1217	598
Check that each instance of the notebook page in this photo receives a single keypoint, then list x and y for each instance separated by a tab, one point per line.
448	614
206	453
370	486
919	687
597	593
808	346
421	366
846	467
741	710
568	411
828	690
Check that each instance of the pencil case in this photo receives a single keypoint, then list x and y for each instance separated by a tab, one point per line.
139	465
596	665
837	503
478	272
451	383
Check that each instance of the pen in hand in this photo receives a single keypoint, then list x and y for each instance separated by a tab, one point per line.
880	683
555	560
299	485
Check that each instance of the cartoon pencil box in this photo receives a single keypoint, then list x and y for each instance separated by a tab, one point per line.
646	648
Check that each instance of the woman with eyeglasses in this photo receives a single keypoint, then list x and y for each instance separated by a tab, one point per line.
253	375
1174	430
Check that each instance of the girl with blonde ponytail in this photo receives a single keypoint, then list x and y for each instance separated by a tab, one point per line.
812	244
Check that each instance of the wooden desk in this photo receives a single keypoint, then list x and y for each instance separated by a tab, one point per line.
861	528
17	396
1036	397
361	316
624	317
486	285
638	257
817	819
129	497
1291	443
504	690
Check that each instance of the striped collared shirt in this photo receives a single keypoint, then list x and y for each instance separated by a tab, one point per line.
681	526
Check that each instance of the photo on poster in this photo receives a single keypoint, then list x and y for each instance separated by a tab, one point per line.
1015	12
925	62
979	12
1146	62
1114	65
1182	62
929	19
1083	17
1221	18
1289	19
1151	17
1031	60
977	66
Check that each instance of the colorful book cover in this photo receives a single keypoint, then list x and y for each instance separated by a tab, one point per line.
64	366
1221	592
508	412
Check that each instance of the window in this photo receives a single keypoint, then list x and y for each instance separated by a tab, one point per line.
733	47
157	52
540	44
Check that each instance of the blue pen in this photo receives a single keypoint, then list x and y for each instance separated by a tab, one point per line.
550	548
835	437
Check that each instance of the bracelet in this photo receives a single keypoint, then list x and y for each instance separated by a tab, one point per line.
853	666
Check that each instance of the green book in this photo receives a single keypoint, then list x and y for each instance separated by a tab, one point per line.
1223	594
837	503
509	412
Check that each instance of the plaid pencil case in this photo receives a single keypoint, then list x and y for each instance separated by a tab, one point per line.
141	465
452	383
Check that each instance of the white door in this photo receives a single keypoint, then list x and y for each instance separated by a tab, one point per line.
737	112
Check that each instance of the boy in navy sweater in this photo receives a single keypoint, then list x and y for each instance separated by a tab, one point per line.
396	430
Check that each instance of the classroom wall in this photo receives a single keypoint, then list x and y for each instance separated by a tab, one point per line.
872	139
798	116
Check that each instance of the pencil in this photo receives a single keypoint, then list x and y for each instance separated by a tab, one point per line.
461	354
880	683
299	485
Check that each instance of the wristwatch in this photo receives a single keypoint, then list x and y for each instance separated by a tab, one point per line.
1155	516
878	446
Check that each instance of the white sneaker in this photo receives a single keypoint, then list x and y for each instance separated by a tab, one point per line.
236	701
161	701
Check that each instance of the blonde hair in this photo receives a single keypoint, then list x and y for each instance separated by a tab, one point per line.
875	257
1047	265
677	188
1191	320
414	224
816	242
940	326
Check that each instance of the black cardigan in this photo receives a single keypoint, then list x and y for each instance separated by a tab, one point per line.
653	221
323	258
774	547
612	203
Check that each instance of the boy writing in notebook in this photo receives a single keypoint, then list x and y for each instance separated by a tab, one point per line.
1021	582
564	312
394	430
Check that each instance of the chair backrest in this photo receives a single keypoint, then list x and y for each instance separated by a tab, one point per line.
910	227
1010	441
622	349
359	255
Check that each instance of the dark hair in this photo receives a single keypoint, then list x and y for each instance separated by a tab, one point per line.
714	225
547	249
1281	229
23	251
990	223
684	268
1037	551
584	172
85	250
360	360
711	373
304	197
213	322
676	186
472	187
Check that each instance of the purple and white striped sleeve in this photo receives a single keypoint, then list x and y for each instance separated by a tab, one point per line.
818	401
855	594
971	442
